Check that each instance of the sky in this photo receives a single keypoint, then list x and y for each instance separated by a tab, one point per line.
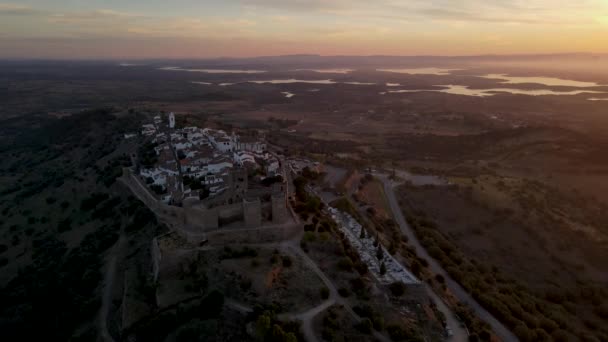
132	29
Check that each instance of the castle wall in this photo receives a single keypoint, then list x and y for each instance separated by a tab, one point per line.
156	258
279	208
255	235
252	211
196	222
201	219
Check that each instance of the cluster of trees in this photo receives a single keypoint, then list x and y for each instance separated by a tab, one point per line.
146	155
531	317
244	252
157	327
305	204
58	291
107	176
367	312
331	325
58	278
269	329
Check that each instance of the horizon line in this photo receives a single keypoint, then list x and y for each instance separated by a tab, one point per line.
590	54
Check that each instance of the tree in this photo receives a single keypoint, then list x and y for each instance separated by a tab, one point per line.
383	269
397	288
262	325
287	261
365	326
313	204
345	264
379	253
396	332
343	292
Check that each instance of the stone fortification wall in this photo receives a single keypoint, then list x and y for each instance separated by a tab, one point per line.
255	235
194	222
252	212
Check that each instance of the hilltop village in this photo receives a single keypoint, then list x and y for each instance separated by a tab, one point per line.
230	203
192	164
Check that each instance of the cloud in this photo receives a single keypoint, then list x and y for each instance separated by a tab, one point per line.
18	10
301	5
90	16
485	11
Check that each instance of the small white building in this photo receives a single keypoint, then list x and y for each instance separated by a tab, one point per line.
272	169
171	120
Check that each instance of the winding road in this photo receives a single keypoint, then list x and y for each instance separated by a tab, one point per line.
499	329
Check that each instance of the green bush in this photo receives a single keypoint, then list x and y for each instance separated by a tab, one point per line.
365	326
397	288
345	264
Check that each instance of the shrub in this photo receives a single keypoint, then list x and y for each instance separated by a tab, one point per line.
64	225
397	288
324	293
345	264
383	269
343	292
397	332
287	261
365	326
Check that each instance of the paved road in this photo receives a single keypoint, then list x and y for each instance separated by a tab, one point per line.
501	331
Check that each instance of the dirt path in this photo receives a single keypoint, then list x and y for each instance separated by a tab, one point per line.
106	299
501	331
242	308
334	298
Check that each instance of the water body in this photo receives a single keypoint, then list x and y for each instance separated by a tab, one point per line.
421	71
202	83
329	71
393	85
465	90
293	80
548	81
288	94
214	71
598	99
360	83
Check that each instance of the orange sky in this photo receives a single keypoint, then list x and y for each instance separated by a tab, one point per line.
203	28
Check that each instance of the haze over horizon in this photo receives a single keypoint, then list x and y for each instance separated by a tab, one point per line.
246	28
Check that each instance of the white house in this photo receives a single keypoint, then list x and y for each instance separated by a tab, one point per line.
243	158
171	120
272	169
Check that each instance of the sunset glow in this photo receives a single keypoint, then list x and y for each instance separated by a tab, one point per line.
189	28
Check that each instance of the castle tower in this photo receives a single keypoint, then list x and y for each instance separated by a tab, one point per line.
279	207
252	212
